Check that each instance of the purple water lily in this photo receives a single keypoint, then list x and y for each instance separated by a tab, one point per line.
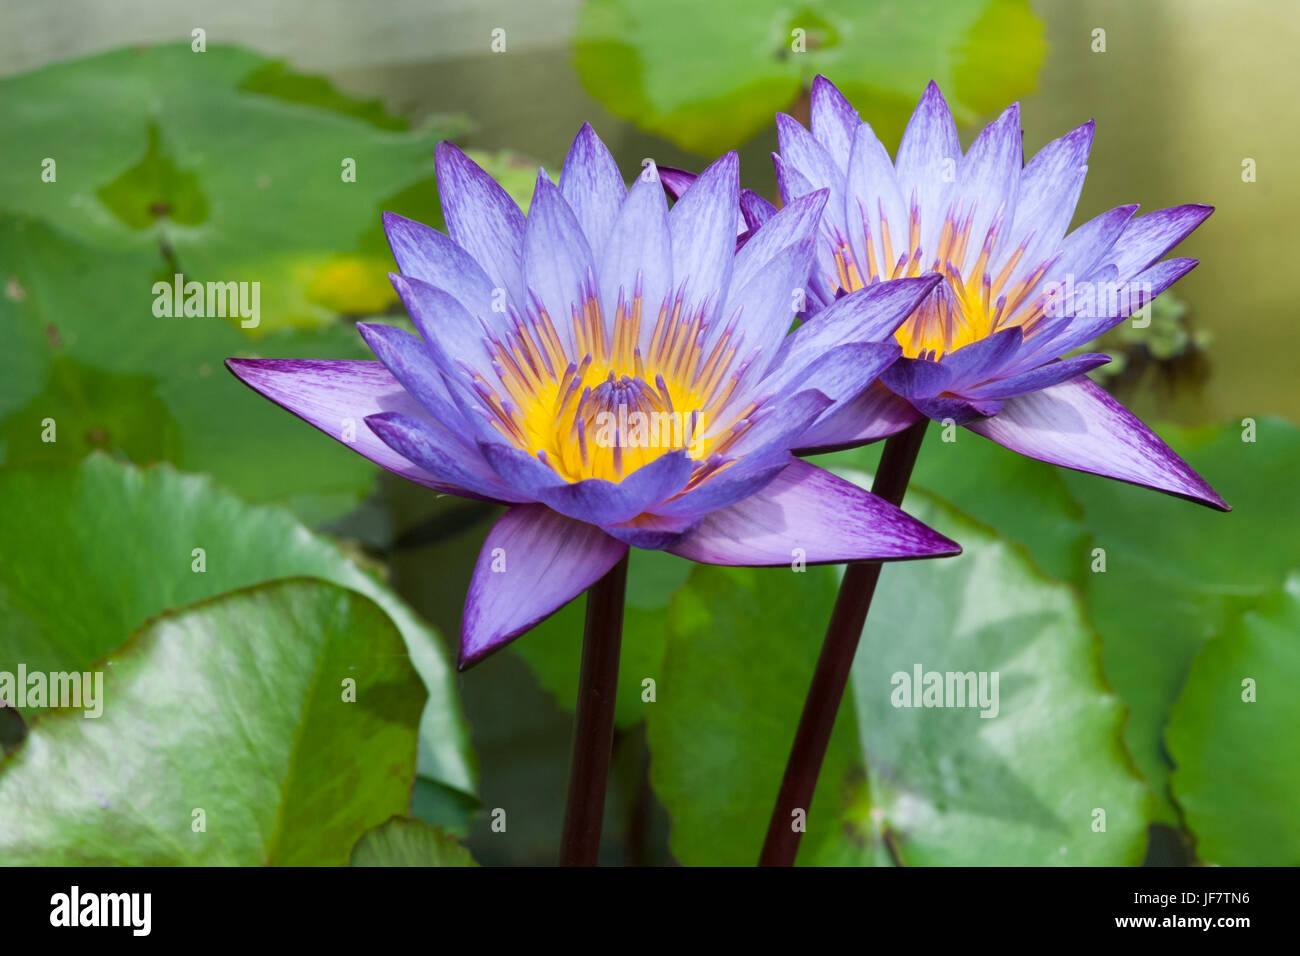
556	352
985	348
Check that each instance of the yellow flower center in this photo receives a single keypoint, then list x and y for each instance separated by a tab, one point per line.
970	308
609	409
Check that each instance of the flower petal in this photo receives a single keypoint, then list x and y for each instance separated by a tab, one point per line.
1147	238
337	397
876	413
639	253
592	186
440	454
703	226
412	364
593	500
558	266
428	255
928	150
811	515
1078	425
1045	376
482	218
873	198
833	120
988	181
533	562
872	314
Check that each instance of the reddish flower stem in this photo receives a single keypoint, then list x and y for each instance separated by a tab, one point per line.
836	659
593	731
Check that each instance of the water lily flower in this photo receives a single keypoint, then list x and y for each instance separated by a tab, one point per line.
618	374
985	349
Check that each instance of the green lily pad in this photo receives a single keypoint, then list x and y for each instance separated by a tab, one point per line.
1233	738
221	164
99	547
407	842
1177	574
89	352
913	785
708	77
228	736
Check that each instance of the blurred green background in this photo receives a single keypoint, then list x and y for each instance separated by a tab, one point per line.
1122	688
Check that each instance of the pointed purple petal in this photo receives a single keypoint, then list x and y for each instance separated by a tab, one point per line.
703	225
811	515
440	454
1045	376
428	255
1078	425
927	159
482	218
557	258
639	254
592	185
876	413
533	562
1147	238
593	500
872	314
833	120
337	397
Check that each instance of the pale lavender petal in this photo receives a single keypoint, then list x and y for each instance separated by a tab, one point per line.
874	202
755	210
533	562
876	413
1084	248
801	151
872	314
768	302
1112	310
976	363
809	515
841	373
917	378
988	179
833	120
413	365
426	254
1045	376
1078	425
442	320
557	259
482	218
593	500
337	397
927	160
1147	238
441	454
1049	191
639	254
797	221
703	225
592	186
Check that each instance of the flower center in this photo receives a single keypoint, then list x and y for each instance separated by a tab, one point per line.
967	306
609	404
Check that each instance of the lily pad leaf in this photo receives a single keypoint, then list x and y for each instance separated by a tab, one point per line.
1232	736
402	841
1027	768
101	546
273	725
710	76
